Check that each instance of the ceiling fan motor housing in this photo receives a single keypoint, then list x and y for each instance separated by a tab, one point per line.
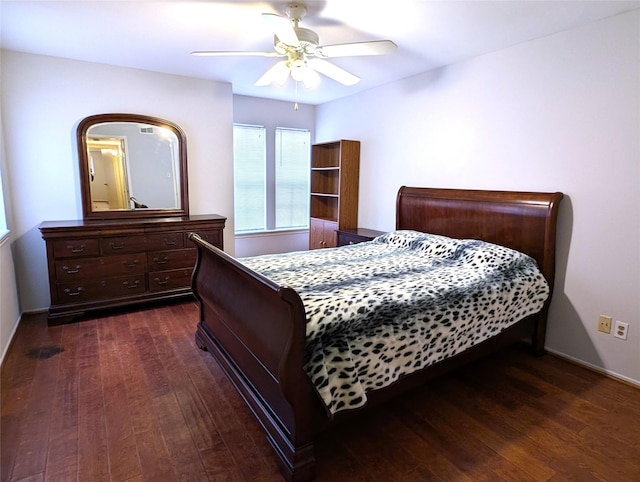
309	40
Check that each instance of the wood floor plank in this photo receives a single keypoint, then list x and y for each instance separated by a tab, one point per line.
93	461
485	458
138	394
154	456
152	367
231	418
560	442
220	465
124	462
457	455
519	426
333	446
62	458
10	429
599	388
195	413
32	452
130	397
19	367
182	450
427	450
595	407
242	422
499	437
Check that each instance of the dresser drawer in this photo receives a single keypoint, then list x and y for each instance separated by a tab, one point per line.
170	279
211	236
173	240
67	248
172	259
82	268
123	244
100	288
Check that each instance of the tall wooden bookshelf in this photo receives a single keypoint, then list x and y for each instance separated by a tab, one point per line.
335	171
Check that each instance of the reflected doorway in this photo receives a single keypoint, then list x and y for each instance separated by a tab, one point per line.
108	173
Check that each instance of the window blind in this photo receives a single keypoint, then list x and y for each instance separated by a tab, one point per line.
292	178
249	177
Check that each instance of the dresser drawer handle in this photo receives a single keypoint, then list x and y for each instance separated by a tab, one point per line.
116	247
133	286
164	260
168	242
164	282
71	270
76	249
73	293
130	265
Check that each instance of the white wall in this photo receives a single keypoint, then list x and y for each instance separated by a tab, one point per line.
272	114
9	309
561	113
44	99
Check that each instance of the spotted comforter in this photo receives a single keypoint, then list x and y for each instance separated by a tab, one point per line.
379	310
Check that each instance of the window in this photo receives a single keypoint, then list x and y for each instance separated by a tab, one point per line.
292	178
271	179
249	178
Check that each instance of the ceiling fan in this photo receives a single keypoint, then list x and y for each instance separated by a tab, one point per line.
304	56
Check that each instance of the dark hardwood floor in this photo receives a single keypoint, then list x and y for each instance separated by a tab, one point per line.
130	397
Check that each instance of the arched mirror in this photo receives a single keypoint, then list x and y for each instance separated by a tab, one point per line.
132	166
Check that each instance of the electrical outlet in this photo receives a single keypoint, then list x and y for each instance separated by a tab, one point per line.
604	324
621	330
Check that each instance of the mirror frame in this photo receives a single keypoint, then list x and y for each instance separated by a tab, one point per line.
85	188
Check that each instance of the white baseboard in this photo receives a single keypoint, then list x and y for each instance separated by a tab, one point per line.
595	368
10	341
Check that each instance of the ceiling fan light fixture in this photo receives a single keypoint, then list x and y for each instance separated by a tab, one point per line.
311	79
300	72
278	73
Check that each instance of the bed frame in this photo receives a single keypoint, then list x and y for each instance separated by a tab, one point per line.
255	328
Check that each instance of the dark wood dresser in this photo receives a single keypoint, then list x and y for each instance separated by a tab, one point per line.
107	264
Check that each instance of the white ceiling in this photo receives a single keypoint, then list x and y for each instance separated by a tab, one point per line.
159	35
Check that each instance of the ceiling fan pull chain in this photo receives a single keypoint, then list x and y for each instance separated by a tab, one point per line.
295	105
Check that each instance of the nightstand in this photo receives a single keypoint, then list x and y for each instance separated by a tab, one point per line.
357	235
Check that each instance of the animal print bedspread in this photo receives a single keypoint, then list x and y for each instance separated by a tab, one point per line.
379	310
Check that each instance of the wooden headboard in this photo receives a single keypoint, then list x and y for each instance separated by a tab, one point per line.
525	221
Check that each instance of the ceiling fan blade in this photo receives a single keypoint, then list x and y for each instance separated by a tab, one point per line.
375	47
278	73
228	53
282	28
333	71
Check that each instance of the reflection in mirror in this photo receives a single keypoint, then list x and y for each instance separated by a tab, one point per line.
132	166
151	180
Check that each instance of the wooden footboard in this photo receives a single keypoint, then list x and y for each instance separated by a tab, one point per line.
256	331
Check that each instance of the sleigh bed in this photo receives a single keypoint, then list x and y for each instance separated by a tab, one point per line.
259	330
